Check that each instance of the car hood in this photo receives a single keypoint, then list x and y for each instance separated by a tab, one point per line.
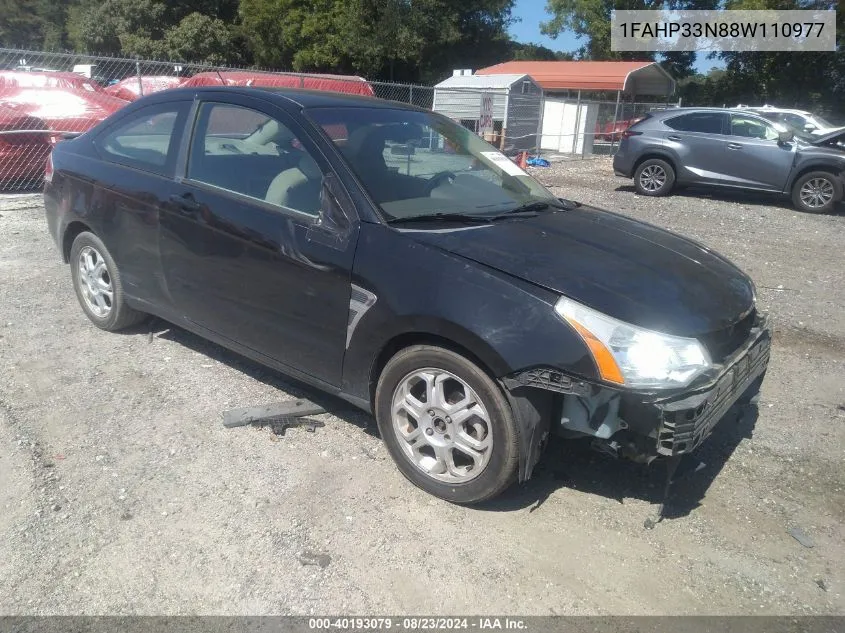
827	136
627	269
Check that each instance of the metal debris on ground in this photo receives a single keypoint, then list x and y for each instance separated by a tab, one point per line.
801	536
281	412
279	426
312	558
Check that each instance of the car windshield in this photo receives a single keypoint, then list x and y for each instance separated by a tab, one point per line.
822	123
416	163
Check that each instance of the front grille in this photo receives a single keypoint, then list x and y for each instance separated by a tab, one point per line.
722	343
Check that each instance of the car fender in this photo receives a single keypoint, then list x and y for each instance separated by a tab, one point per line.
820	163
406	288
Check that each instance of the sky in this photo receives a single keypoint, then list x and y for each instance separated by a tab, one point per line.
527	31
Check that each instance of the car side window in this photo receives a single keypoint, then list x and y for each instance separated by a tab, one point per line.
253	154
749	127
708	122
796	121
147	139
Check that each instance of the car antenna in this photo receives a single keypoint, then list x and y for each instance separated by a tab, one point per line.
222	81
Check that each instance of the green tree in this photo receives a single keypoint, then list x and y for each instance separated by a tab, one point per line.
199	37
379	35
400	39
20	26
590	20
114	27
532	52
193	29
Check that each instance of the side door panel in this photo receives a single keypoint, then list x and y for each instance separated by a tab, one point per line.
258	274
699	153
127	210
756	162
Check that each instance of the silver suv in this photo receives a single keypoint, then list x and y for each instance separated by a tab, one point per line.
732	148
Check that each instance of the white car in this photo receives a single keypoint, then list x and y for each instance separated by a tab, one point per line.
798	120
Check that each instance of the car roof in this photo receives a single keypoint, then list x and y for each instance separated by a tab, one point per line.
288	98
679	111
660	114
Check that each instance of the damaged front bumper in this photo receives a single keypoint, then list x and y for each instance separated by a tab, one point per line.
643	426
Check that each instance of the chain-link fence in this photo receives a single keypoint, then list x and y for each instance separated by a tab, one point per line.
44	96
575	127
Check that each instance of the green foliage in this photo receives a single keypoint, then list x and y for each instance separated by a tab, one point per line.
399	39
199	37
809	81
590	20
19	24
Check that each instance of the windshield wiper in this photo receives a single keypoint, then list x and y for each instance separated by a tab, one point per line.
442	217
539	205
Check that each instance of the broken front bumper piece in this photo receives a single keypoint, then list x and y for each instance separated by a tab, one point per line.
645	425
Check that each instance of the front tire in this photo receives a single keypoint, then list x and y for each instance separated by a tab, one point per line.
98	286
654	177
447	425
816	192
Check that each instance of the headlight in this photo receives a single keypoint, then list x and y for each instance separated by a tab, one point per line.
633	356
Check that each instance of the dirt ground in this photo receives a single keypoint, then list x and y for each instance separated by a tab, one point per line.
121	492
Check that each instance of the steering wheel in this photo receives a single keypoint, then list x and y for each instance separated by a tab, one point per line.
437	179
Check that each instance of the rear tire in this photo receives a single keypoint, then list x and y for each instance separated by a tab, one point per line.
654	177
447	425
816	192
98	286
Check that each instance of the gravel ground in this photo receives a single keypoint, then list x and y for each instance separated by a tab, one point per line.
122	492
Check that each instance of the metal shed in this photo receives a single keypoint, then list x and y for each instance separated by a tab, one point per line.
517	106
589	103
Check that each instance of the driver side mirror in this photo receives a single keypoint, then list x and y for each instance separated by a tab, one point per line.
786	136
333	221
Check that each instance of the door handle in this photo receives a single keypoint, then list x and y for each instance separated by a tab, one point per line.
734	146
185	204
674	137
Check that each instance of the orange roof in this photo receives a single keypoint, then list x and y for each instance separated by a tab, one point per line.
573	75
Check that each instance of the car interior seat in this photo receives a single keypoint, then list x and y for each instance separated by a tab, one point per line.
298	187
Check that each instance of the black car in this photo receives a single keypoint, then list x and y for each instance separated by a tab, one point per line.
442	289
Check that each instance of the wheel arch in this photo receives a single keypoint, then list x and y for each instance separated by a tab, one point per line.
531	407
484	357
659	154
71	232
832	169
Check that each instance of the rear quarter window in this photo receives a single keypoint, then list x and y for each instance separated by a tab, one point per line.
145	139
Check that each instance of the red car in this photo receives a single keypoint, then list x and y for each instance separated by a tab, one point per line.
611	132
63	109
130	90
333	83
68	81
53	102
24	147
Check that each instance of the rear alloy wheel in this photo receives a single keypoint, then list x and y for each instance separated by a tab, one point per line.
816	192
96	281
654	177
447	425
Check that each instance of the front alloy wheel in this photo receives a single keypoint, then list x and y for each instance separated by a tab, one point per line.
816	192
442	426
447	424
